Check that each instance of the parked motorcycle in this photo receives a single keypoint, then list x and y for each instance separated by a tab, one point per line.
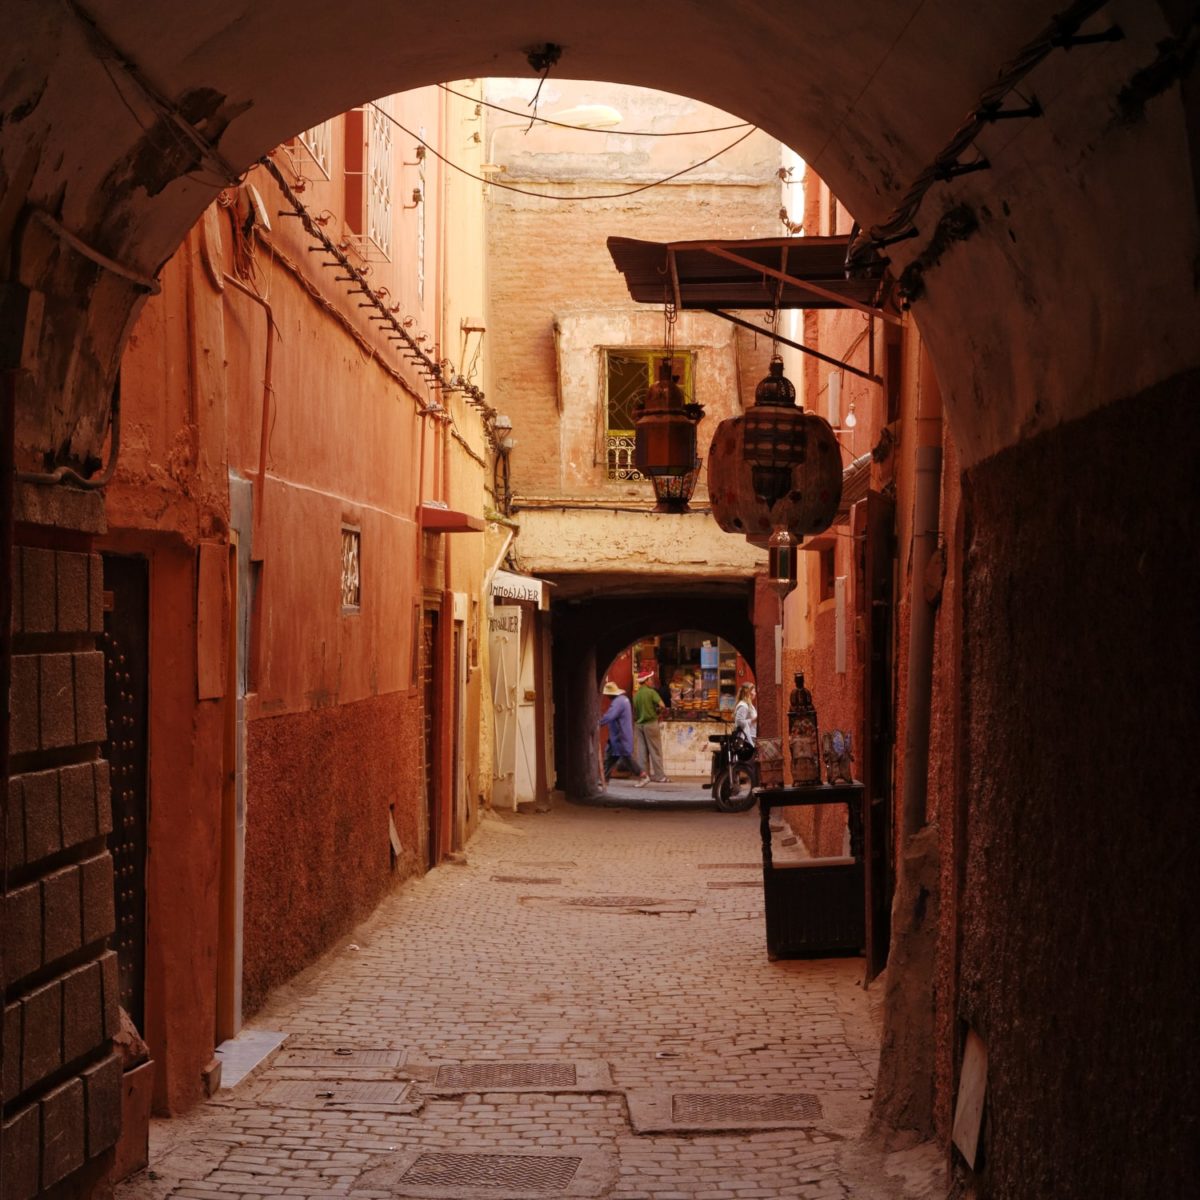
734	771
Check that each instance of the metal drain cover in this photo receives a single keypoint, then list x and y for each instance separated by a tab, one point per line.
734	883
526	879
613	902
454	1079
383	1096
747	866
533	1173
463	1175
664	1111
482	1077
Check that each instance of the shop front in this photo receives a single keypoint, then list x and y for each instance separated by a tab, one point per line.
698	676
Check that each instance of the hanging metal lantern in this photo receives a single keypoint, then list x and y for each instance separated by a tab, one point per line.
664	447
774	435
776	467
782	548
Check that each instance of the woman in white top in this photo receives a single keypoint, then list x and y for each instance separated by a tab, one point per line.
745	715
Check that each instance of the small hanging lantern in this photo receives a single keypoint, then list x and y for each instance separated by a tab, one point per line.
781	561
774	438
665	441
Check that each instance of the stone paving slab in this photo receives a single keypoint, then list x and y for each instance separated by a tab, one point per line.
454	968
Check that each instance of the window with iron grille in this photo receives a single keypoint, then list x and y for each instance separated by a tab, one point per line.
379	178
351	569
628	376
318	141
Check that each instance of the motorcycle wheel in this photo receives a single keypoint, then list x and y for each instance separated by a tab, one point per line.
736	794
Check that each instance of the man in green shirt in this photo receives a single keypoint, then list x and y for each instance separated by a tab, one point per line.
646	732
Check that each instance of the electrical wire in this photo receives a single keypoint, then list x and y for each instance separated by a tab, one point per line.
512	112
508	187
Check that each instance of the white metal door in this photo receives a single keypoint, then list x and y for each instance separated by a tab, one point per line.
527	694
505	641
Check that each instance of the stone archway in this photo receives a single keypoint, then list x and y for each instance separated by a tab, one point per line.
590	633
1014	259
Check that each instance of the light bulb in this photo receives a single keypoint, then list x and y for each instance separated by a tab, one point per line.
851	419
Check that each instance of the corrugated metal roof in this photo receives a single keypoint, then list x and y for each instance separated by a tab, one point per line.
762	273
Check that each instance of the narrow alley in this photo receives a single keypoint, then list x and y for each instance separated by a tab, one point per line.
613	959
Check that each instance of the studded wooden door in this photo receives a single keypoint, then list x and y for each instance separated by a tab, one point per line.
126	642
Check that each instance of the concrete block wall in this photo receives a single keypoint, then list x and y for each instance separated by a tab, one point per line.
60	1080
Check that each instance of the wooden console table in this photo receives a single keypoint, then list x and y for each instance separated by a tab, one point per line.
815	907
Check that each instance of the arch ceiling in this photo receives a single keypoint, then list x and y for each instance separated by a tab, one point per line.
1077	287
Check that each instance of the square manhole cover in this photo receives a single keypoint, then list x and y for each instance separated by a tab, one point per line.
488	1077
391	1096
666	1111
501	1171
453	1079
466	1175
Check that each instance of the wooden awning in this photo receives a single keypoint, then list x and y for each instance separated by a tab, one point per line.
437	518
759	273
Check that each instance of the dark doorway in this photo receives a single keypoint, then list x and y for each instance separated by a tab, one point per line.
875	533
126	662
429	696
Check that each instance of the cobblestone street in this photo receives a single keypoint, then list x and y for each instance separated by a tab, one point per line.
505	1026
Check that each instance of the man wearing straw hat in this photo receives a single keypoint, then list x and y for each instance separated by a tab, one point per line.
647	734
619	720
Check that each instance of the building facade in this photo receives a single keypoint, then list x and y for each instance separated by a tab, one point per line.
293	572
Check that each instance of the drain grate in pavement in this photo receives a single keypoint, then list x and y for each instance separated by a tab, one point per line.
339	1093
613	902
495	1077
526	879
665	1111
524	1171
543	864
749	866
524	1075
716	1108
455	1174
734	883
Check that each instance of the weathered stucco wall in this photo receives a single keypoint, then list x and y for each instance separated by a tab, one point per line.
1079	966
321	867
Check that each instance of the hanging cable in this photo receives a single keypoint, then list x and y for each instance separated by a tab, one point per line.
513	112
1062	32
508	187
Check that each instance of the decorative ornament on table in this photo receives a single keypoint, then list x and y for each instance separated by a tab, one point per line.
803	739
837	750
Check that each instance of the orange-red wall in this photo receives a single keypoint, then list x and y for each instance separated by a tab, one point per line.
333	713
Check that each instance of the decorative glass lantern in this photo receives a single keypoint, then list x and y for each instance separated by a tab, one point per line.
781	561
774	438
777	467
665	441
